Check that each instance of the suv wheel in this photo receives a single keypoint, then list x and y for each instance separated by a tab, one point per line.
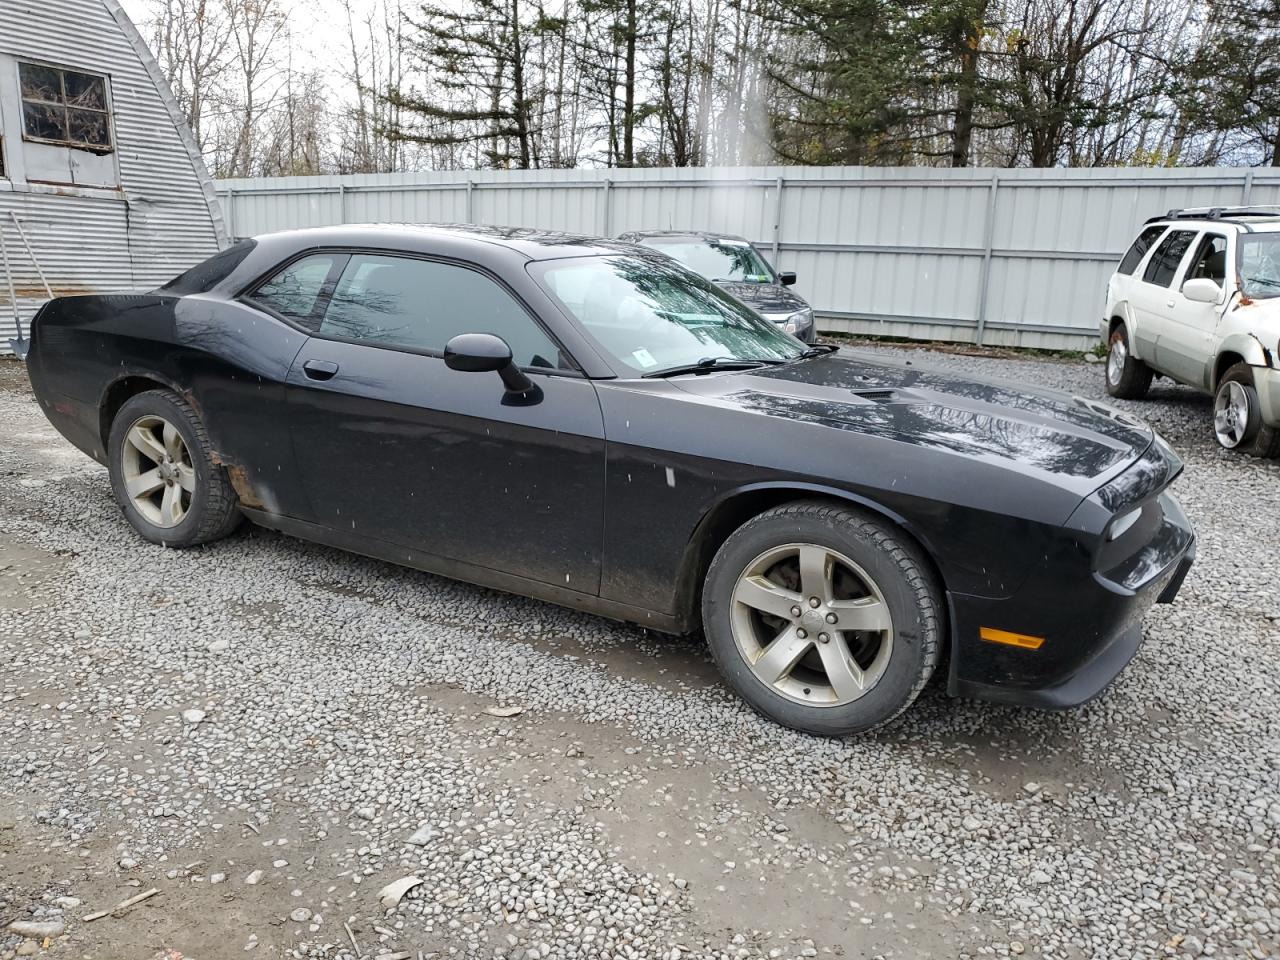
823	618
163	473
1127	377
1237	417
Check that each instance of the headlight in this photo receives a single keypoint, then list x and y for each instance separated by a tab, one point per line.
800	320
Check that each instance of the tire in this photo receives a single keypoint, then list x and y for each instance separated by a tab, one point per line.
868	571
181	501
1128	378
1237	416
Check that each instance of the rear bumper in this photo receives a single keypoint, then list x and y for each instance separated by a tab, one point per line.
1090	622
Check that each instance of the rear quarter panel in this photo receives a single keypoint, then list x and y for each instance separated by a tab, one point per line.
228	360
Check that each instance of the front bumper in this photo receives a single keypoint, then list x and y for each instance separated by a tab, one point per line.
1090	619
1266	380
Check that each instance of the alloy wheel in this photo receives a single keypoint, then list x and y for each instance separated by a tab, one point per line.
1231	414
1116	358
158	474
811	624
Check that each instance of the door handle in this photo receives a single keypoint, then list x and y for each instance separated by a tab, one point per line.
319	369
1169	303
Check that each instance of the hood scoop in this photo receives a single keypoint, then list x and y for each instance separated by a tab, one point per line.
877	394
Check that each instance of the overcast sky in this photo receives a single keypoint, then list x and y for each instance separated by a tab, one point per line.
318	29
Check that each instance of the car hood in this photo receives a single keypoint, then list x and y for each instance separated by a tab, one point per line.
763	297
1079	443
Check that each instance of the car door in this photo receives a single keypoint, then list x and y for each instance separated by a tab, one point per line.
1185	346
1120	285
1150	294
395	447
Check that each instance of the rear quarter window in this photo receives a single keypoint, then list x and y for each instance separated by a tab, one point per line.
1135	253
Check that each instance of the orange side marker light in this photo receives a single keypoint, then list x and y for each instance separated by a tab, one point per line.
1011	639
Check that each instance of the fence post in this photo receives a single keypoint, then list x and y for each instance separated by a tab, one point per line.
342	203
984	280
1248	187
777	218
605	204
230	219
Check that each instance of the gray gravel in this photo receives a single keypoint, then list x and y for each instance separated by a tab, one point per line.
270	732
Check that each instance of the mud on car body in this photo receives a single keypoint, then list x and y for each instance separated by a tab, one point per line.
588	423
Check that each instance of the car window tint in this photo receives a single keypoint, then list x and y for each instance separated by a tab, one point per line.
1164	262
1139	249
1211	260
422	304
295	291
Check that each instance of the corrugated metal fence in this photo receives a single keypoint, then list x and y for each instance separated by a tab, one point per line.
993	256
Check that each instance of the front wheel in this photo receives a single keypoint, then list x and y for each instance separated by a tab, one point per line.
823	618
1237	416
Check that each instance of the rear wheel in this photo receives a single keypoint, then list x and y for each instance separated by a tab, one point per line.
1127	377
1237	416
163	473
823	618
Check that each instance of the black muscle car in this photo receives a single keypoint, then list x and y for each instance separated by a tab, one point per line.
589	423
737	267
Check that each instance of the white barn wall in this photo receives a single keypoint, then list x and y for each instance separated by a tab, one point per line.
161	218
1019	256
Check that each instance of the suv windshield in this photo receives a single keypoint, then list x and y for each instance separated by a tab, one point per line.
1260	265
652	315
721	260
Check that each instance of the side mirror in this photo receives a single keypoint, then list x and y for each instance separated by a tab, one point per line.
787	278
1202	290
485	353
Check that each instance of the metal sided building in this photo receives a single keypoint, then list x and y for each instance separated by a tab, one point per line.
101	186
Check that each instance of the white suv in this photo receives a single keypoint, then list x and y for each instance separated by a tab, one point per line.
1197	299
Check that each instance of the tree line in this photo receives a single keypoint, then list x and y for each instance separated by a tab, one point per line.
443	84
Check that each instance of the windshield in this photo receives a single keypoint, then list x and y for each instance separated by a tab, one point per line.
652	315
716	259
1260	265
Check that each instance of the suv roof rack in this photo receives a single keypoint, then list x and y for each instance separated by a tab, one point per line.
1218	213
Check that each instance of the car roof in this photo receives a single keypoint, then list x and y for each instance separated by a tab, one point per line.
682	234
1263	219
533	244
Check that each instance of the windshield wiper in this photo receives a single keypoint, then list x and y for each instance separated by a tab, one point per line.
716	363
817	350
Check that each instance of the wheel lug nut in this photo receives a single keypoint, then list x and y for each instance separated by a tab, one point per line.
802	633
795	611
823	638
814	601
832	618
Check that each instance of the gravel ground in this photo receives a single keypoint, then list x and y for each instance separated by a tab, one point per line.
268	732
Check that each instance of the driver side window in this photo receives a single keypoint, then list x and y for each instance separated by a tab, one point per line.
1210	262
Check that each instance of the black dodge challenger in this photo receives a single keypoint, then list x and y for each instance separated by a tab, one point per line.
588	422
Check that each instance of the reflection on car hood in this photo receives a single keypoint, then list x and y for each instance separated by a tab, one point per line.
1043	431
764	297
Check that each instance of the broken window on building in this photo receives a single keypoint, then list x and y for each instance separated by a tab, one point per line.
65	107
